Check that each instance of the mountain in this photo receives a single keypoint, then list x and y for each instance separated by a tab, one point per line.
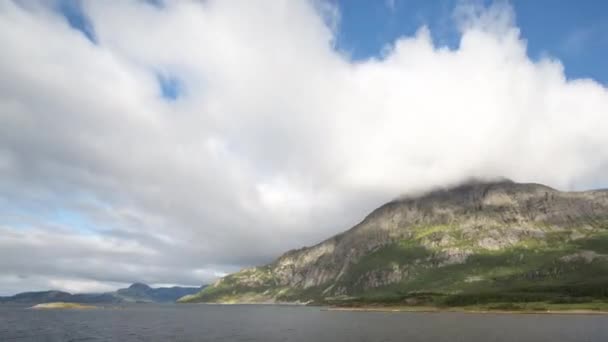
59	296
143	293
137	292
477	243
52	296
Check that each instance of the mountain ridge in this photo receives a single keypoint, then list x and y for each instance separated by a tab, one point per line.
136	292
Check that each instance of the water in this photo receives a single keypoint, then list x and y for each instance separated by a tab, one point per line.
145	322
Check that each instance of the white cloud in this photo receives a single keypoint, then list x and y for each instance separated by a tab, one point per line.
82	286
277	141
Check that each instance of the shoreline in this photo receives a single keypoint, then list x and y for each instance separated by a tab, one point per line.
426	309
405	309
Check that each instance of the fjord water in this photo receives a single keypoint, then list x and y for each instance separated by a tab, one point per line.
148	322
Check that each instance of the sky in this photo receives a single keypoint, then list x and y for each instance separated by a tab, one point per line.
572	31
175	142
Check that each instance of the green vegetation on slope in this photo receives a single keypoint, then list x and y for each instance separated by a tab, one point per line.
555	275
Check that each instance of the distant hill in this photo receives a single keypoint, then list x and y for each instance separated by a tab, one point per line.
136	293
481	243
143	293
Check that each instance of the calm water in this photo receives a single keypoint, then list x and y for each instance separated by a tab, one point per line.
283	323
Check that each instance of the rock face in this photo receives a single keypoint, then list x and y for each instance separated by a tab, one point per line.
447	241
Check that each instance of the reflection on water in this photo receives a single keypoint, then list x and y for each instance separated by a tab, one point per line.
147	322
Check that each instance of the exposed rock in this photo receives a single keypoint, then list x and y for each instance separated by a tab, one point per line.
454	256
586	256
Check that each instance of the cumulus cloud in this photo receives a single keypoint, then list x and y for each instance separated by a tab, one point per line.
272	138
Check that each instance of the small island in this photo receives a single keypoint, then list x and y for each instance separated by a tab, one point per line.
62	305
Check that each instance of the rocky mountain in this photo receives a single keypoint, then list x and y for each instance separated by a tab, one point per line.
480	242
140	293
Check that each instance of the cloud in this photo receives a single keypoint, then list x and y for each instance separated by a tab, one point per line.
270	138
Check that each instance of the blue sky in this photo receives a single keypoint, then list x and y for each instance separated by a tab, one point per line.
575	32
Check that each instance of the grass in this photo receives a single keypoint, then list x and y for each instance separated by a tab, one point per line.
426	231
597	243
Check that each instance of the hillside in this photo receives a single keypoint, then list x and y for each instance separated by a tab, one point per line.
478	243
140	293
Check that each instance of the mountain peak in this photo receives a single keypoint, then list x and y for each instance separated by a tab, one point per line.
139	286
477	186
473	193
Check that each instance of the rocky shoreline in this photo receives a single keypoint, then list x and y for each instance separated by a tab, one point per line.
466	310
